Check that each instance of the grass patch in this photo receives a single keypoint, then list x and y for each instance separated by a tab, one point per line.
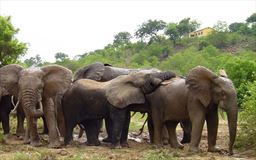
159	154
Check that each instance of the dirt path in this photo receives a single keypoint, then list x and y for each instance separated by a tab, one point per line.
137	151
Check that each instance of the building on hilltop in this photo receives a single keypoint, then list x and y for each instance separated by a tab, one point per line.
201	32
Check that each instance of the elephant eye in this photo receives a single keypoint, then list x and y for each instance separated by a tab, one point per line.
223	94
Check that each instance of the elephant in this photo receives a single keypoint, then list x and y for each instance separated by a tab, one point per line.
7	106
104	72
87	102
36	89
196	97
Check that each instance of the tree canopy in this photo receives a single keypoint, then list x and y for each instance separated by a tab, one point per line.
150	29
10	47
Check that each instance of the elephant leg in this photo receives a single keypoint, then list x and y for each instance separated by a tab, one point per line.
187	127
150	128
92	129
5	122
165	134
118	119
32	130
108	125
197	117
20	131
158	126
45	130
81	132
5	125
50	116
212	121
125	130
70	125
60	121
171	126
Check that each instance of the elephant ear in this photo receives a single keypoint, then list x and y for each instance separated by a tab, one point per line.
56	79
121	92
93	71
9	78
199	81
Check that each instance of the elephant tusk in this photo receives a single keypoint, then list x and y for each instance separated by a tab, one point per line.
15	108
13	102
40	106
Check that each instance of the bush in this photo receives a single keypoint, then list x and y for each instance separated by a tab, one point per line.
247	132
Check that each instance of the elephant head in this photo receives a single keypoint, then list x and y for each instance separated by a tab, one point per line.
130	89
93	71
209	88
33	84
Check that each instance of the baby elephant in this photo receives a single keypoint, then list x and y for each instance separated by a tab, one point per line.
87	102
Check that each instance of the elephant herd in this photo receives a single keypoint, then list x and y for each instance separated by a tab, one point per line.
99	91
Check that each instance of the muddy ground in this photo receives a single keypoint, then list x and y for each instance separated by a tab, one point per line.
139	149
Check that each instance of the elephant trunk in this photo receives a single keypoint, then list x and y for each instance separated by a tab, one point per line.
164	75
29	102
232	125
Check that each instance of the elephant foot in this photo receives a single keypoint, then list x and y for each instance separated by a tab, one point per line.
6	138
55	144
177	146
106	140
157	146
115	146
97	143
26	140
35	144
194	149
20	134
214	149
125	145
165	142
185	140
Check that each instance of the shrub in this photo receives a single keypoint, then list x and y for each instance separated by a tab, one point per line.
247	132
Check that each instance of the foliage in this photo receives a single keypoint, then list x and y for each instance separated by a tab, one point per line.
10	47
246	70
150	29
122	38
252	18
247	132
172	32
61	56
221	26
186	26
34	61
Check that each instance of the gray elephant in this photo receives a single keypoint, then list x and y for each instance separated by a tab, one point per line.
104	72
87	101
196	98
36	88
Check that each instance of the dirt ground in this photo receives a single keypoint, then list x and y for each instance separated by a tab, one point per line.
139	149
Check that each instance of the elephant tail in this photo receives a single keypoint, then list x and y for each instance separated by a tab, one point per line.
142	128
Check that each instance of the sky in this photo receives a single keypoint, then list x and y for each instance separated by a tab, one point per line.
75	27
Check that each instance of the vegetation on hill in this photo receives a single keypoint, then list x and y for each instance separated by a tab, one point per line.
167	46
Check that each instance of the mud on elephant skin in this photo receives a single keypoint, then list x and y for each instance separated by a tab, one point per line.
36	87
87	101
196	98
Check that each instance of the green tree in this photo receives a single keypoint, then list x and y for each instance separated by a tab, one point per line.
235	27
186	26
150	29
60	56
34	61
122	38
251	19
172	32
10	48
221	26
